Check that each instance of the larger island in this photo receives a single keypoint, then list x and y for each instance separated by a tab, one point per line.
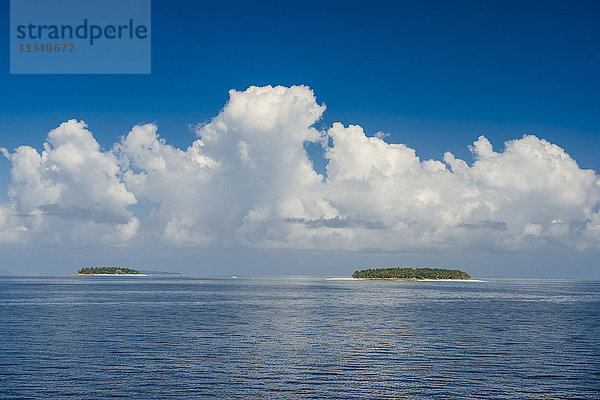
411	274
111	271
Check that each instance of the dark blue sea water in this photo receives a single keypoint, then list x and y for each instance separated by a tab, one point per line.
171	337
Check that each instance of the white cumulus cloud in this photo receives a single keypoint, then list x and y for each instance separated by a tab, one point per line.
71	192
247	181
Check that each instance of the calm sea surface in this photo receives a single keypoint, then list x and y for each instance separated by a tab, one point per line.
164	337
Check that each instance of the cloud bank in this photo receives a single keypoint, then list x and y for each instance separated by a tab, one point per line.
248	181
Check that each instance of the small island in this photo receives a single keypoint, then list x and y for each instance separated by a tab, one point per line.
411	274
109	271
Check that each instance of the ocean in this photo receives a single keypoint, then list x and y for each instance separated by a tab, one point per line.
191	337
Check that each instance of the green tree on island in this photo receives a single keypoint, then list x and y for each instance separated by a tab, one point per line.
411	273
107	270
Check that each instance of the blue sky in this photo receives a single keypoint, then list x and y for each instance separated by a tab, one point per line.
434	75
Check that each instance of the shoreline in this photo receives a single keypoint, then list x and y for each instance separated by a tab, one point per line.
113	274
404	279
